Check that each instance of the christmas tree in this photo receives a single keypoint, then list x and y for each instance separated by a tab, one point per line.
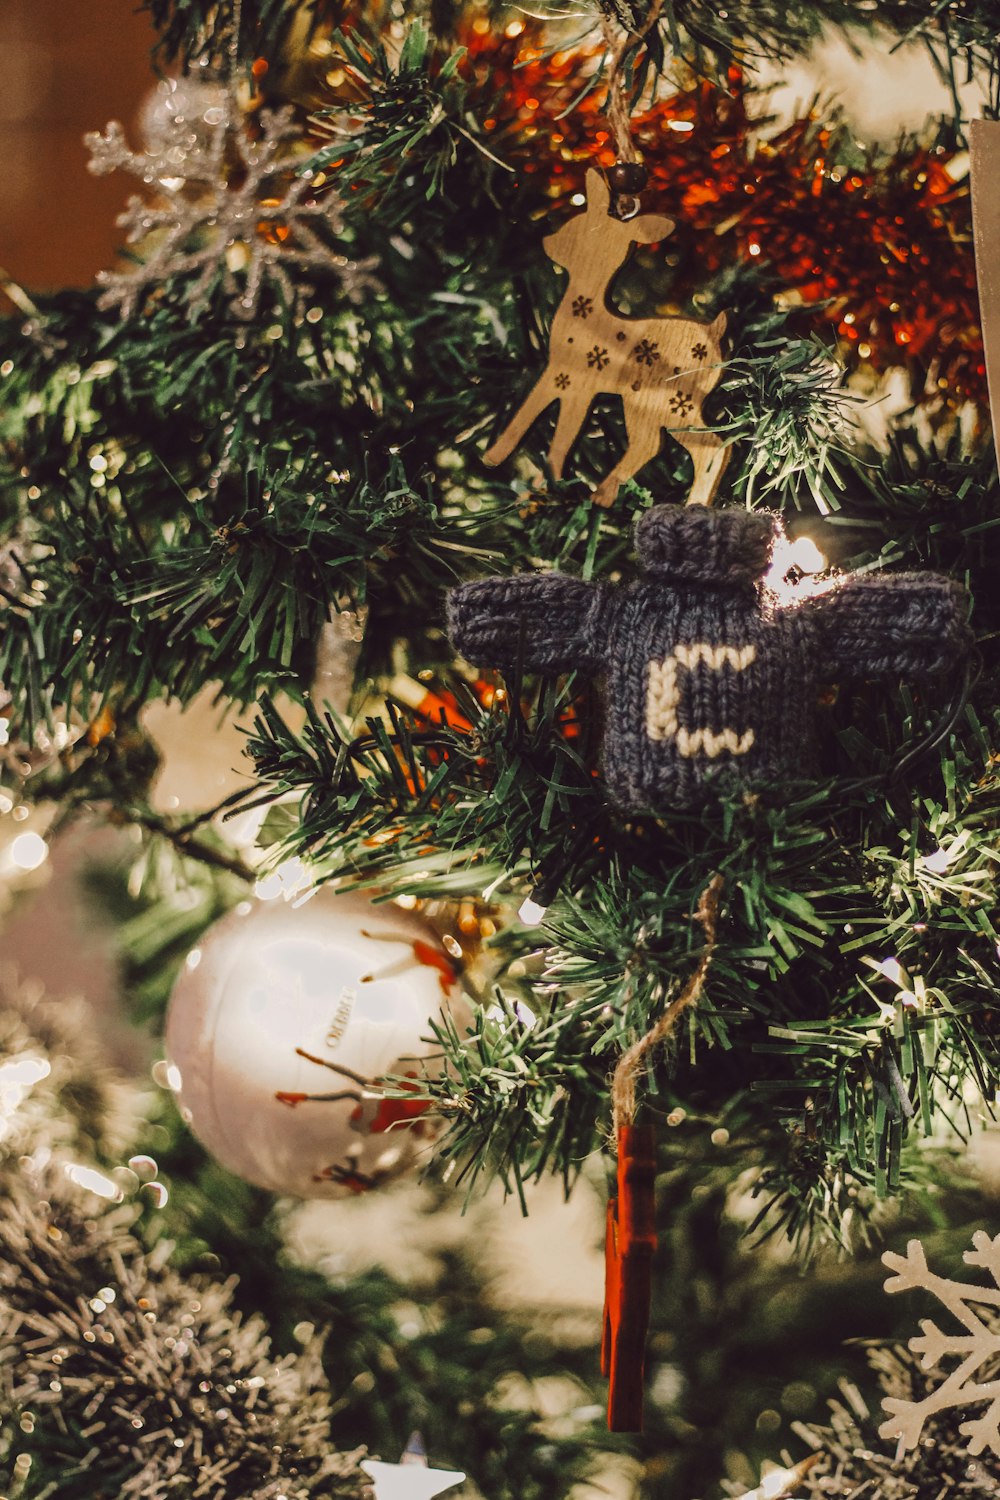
509	550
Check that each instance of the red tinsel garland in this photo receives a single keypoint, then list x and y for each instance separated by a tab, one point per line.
880	251
887	246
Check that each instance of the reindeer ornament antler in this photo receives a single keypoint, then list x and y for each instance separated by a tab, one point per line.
662	368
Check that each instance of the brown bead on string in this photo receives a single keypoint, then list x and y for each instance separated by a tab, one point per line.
627	177
630	1241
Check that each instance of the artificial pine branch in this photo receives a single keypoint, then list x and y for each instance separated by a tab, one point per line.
197	30
694	30
149	563
828	883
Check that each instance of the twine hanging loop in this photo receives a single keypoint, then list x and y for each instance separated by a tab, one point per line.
621	49
624	1083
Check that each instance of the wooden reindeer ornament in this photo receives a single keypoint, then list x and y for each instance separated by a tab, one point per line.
662	367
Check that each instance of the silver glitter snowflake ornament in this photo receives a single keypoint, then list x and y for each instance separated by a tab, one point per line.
226	205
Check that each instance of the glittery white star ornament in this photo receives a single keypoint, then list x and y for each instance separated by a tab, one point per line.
229	203
411	1478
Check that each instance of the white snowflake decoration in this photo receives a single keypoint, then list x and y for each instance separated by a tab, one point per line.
225	203
979	1346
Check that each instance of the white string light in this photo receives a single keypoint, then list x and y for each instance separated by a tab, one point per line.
531	913
29	851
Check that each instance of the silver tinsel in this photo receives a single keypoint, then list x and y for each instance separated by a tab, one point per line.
226	205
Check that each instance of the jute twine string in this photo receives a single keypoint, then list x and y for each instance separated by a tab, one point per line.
620	50
626	1075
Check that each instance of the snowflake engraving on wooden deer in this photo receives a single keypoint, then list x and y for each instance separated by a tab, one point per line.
976	1378
661	367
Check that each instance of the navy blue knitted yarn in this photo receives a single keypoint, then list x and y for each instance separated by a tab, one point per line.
705	676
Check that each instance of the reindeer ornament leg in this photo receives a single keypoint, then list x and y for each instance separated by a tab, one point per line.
568	424
645	433
542	395
710	456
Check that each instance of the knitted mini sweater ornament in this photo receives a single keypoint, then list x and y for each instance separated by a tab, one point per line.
707	675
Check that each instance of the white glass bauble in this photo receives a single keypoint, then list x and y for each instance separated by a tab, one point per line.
279	1004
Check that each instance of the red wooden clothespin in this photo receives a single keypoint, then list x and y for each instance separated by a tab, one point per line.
629	1248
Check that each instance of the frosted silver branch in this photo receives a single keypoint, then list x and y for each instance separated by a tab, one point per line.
111	1358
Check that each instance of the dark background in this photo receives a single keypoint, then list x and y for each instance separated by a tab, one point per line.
65	68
